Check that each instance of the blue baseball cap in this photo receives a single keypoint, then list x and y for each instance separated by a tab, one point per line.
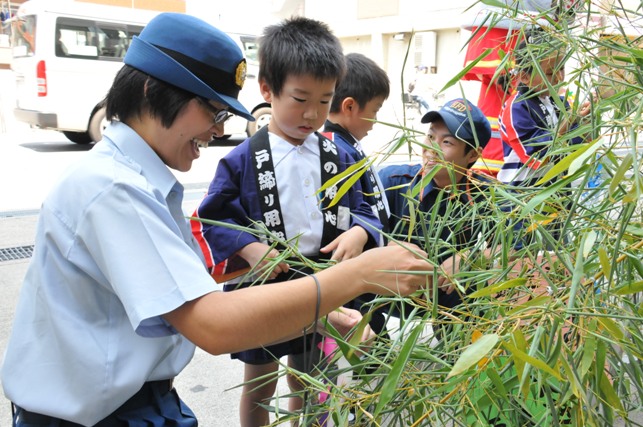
191	54
464	120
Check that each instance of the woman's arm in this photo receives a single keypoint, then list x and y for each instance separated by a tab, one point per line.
224	322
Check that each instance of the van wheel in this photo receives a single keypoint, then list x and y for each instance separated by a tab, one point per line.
262	118
97	124
78	137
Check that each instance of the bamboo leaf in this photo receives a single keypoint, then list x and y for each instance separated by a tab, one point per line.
356	337
587	359
630	288
605	261
589	242
536	363
611	327
389	385
497	381
543	195
632	195
493	289
620	173
536	302
347	185
561	166
343	175
610	394
578	273
569	375
581	159
473	353
346	349
495	3
466	69
426	180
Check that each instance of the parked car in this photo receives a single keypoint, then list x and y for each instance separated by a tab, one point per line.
65	56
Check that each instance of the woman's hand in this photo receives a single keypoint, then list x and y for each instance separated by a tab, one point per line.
397	269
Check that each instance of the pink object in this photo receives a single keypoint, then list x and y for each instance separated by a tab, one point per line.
328	347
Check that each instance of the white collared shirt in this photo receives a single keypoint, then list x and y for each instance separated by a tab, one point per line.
298	173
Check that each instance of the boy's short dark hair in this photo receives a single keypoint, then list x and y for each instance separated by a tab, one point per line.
299	46
134	92
536	45
364	80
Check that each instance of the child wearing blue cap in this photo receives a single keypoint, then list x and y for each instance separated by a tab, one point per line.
457	134
274	178
117	293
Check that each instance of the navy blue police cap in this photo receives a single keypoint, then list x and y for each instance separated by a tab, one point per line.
191	54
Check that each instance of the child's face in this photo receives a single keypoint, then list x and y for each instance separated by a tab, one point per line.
359	123
552	68
301	108
448	154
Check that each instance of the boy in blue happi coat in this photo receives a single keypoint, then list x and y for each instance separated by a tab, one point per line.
274	178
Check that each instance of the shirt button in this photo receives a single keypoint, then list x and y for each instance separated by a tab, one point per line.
300	150
307	182
314	215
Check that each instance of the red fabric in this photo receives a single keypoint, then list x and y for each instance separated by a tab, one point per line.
491	95
487	38
490	102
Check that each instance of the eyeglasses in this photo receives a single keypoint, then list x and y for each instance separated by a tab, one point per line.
219	116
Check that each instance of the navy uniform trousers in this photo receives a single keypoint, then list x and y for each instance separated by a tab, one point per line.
156	405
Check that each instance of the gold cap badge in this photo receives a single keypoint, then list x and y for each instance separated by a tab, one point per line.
240	76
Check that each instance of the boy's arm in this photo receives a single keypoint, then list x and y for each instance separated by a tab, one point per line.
224	203
259	255
570	121
527	138
362	214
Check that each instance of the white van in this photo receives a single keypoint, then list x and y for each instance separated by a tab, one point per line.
65	55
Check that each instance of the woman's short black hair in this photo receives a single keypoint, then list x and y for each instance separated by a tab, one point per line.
135	92
364	80
296	47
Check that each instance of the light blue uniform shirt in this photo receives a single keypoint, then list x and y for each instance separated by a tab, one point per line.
113	254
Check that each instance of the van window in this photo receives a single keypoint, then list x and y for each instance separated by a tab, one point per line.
250	49
23	32
93	40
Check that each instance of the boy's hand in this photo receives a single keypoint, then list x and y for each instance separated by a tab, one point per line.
260	256
348	245
449	267
344	319
584	109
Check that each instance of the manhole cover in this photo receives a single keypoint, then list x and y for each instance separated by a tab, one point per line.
19	252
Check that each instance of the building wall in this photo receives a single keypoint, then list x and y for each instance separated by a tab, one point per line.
385	29
160	5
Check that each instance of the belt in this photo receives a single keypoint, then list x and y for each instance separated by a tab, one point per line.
142	398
